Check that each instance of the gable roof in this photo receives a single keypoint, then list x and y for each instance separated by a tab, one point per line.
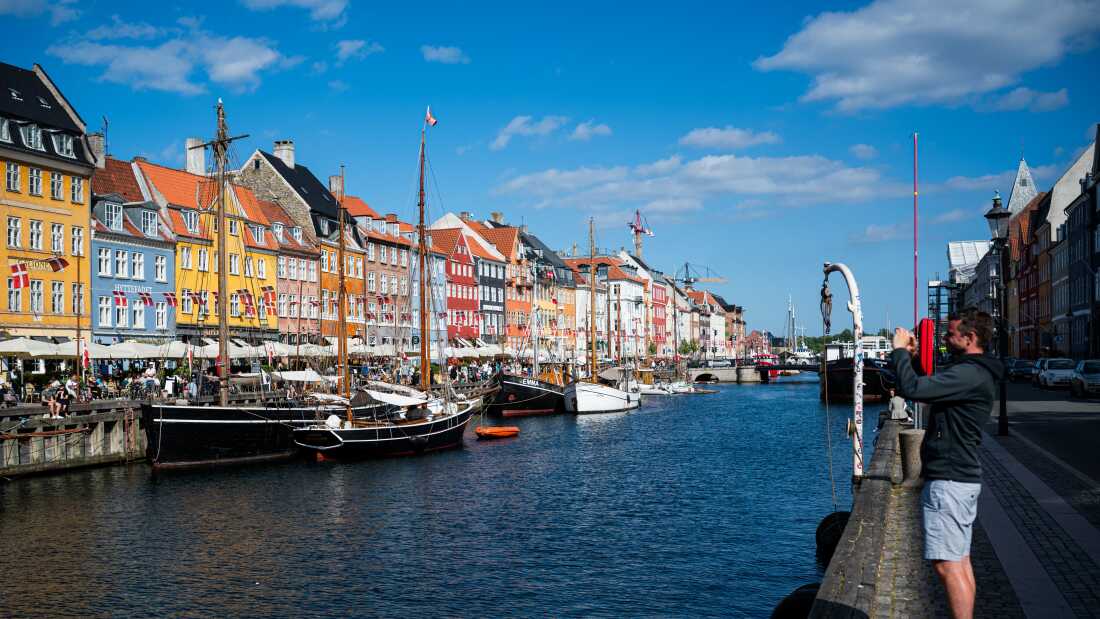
31	88
275	214
356	207
116	177
446	240
1023	189
308	187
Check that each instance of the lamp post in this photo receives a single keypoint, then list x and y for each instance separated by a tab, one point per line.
997	217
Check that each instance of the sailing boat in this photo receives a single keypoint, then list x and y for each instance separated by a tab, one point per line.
409	421
585	397
193	435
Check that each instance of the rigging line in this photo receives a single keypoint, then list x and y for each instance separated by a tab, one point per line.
826	323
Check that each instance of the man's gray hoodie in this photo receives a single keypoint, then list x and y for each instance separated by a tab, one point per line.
961	397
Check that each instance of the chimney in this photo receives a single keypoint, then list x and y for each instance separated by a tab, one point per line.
284	149
98	145
465	215
497	217
335	183
196	156
523	228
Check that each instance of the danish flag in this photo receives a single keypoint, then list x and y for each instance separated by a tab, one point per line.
195	295
146	298
269	295
170	297
428	118
19	276
57	263
120	298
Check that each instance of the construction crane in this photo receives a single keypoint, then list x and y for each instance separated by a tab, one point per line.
638	230
692	274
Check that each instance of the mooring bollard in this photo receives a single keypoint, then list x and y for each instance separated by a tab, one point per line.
910	441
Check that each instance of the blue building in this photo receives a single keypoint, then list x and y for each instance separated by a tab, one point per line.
133	271
438	303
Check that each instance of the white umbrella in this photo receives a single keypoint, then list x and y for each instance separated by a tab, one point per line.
96	351
26	347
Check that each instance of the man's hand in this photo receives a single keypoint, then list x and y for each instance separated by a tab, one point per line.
904	339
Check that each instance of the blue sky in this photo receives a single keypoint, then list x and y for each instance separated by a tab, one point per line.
758	140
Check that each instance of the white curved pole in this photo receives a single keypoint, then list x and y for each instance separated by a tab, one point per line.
856	309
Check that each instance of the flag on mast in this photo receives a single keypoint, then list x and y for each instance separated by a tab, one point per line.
428	118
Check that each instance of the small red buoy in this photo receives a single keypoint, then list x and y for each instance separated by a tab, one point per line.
491	432
321	457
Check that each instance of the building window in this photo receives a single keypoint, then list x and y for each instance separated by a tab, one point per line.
122	316
139	266
324	261
382	254
280	267
204	259
78	299
34	181
13	176
162	315
149	223
32	137
234	264
36	234
76	185
185	257
78	240
122	263
113	213
248	272
301	268
15	297
370	281
104	311
160	264
36	296
292	306
258	234
277	230
191	221
313	271
139	315
297	234
57	238
233	231
5	130
292	268
234	305
282	305
15	232
261	268
187	304
57	297
63	144
370	252
57	186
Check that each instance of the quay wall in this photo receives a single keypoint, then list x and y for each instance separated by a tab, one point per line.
850	587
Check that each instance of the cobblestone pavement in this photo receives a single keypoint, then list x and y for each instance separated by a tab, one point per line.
1081	495
1073	572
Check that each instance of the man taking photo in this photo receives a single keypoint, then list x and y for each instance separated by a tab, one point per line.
960	397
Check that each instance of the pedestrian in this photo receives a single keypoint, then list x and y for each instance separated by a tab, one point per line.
960	397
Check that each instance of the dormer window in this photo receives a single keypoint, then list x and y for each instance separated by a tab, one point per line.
42	102
277	229
296	232
113	214
191	220
32	137
393	229
15	94
149	223
63	144
324	227
5	130
258	234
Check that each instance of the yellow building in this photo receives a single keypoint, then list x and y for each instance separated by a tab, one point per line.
189	204
45	199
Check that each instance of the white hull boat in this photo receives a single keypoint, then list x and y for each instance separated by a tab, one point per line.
586	398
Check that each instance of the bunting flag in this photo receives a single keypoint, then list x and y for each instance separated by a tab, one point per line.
19	276
195	296
269	295
170	297
120	298
146	298
57	263
315	303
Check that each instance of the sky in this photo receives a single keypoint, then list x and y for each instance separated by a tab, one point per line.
758	140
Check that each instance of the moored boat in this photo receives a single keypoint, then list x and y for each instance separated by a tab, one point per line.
522	396
586	398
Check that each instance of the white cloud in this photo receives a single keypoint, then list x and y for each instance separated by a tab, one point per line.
357	49
902	52
119	29
863	151
952	216
319	10
1023	98
338	86
60	11
235	62
727	137
319	67
586	130
879	233
445	55
999	181
523	125
673	185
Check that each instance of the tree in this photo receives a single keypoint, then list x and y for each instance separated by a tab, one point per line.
652	348
689	347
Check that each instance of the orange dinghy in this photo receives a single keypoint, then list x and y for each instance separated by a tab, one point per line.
490	432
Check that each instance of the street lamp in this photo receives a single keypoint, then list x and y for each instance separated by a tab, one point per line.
997	217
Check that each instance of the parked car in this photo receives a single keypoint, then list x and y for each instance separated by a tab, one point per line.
1086	378
1056	373
1022	369
1040	365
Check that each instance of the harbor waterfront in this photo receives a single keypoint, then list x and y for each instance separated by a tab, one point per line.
693	505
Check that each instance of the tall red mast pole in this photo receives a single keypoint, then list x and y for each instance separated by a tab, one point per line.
915	286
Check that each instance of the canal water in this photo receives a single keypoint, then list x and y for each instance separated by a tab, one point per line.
690	506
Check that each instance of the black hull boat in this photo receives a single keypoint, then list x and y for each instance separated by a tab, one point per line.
836	382
180	436
384	439
520	396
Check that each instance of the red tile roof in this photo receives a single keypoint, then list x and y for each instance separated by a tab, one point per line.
275	214
1019	226
117	177
445	241
356	207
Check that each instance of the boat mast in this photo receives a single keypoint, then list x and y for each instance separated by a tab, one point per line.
535	320
422	247
342	321
592	298
220	146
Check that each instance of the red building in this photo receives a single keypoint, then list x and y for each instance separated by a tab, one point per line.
462	293
659	302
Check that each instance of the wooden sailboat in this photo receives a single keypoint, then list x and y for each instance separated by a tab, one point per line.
192	435
586	397
409	422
